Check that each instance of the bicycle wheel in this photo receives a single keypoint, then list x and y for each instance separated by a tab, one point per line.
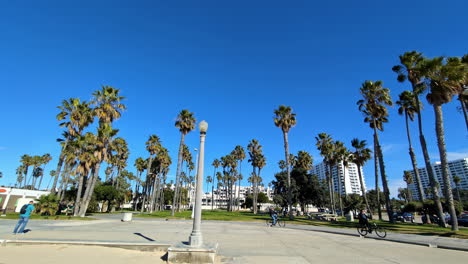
380	232
281	223
362	230
268	222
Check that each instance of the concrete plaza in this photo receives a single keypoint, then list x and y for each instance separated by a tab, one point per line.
237	242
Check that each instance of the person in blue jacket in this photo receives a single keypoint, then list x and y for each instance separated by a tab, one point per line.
24	218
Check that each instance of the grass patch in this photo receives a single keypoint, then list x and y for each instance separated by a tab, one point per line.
405	228
15	216
218	215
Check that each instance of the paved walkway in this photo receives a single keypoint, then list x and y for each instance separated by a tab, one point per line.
250	242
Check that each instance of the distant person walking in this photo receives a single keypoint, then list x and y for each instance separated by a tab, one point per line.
25	213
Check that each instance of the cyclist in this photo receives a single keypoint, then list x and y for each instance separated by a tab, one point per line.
274	216
364	220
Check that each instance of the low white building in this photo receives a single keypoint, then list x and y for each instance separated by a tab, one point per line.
12	199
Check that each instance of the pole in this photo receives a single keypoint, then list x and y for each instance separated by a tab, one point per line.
196	239
191	185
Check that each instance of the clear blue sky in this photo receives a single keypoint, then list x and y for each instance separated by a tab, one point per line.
230	63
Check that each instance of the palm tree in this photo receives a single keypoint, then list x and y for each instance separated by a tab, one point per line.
76	116
412	69
140	165
408	178
27	161
444	82
457	181
153	145
185	122
46	158
373	106
303	160
107	108
285	119
408	108
239	155
324	144
258	161
361	155
215	165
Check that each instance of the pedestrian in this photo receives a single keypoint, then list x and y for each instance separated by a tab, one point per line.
25	213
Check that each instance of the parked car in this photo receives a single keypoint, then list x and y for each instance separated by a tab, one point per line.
403	217
463	220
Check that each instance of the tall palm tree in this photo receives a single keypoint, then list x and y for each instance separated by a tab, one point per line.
412	68
408	178
258	161
153	145
373	106
27	161
286	119
107	108
444	82
361	155
76	116
215	165
324	144
46	158
408	108
185	122
239	155
140	165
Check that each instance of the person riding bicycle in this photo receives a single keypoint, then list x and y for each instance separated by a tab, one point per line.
274	216
364	220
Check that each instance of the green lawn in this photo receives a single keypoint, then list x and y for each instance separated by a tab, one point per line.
41	217
406	228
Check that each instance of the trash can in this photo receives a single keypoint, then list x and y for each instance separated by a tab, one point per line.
126	217
350	217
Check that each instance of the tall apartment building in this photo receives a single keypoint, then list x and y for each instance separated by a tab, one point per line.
348	175
457	167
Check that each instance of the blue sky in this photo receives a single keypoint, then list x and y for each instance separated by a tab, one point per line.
231	63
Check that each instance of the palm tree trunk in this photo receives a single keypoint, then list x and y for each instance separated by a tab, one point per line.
463	106
383	175
344	180
376	170
179	168
339	190
286	155
59	167
444	164
458	194
90	190
25	176
332	188
413	161
363	190
427	161
78	195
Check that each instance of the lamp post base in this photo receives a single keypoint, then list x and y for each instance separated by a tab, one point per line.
187	254
195	239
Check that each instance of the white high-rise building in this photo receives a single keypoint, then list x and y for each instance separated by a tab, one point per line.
348	175
457	167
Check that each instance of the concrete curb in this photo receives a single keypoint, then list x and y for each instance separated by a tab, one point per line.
141	246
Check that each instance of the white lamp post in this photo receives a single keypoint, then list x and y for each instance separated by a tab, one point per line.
196	239
191	186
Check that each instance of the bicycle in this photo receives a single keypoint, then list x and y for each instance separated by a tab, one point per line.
279	222
379	231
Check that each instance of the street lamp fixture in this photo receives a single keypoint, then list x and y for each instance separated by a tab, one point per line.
196	239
